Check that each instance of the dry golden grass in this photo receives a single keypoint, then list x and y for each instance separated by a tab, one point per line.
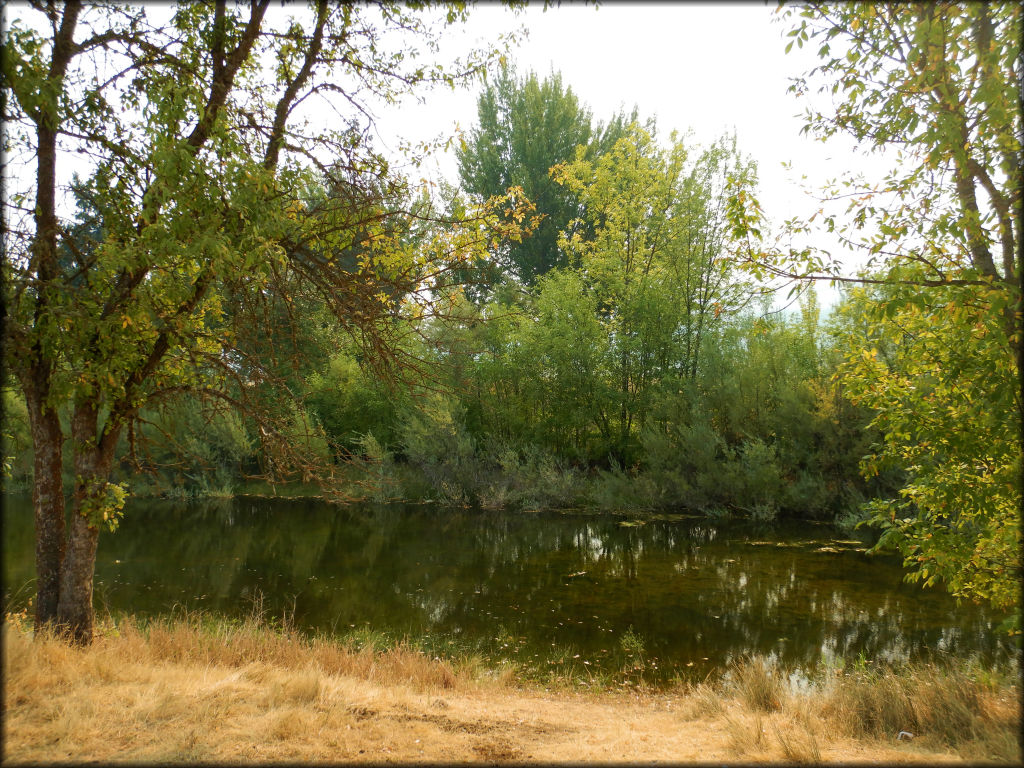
947	708
193	689
758	683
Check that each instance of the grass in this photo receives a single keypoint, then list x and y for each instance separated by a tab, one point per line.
954	707
200	688
758	683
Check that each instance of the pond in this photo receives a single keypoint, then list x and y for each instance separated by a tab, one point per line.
673	596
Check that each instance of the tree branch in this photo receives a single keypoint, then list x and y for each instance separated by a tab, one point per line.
224	76
285	104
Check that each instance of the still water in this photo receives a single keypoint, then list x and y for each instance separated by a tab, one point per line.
684	595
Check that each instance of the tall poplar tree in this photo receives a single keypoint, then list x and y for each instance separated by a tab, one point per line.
526	126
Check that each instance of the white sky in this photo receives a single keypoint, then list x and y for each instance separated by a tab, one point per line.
711	68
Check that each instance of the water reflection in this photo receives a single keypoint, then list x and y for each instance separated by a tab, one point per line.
694	593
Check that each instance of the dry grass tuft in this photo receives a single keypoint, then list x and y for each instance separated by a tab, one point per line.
194	688
296	688
290	724
956	709
759	683
703	700
257	649
801	747
747	735
944	705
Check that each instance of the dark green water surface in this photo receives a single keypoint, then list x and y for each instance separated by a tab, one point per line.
675	596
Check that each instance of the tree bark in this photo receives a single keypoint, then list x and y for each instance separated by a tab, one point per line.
48	507
93	462
75	612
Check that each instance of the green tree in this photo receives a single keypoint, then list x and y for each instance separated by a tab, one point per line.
943	389
525	127
559	355
766	381
938	85
349	403
183	448
651	253
704	274
200	177
16	440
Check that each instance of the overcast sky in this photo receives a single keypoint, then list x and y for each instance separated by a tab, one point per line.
711	68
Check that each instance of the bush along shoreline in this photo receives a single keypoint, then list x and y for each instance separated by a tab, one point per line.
520	481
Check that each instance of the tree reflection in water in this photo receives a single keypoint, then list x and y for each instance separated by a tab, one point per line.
695	592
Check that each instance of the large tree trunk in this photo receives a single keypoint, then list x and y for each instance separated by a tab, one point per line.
48	506
47	438
93	462
75	611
